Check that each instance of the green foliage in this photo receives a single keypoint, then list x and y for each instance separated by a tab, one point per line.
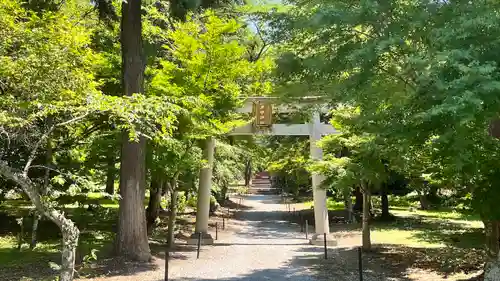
62	112
182	203
423	75
204	62
50	91
287	160
45	70
207	61
228	166
361	155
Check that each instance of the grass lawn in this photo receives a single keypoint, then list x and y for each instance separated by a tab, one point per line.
429	229
97	229
416	244
433	228
332	204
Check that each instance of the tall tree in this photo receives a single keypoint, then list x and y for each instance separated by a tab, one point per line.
131	238
363	166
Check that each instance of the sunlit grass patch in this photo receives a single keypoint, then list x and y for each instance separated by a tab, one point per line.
401	237
10	255
332	204
451	216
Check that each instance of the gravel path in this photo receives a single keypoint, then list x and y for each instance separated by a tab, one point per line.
259	246
264	247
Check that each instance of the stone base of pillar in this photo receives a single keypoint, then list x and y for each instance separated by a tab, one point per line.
206	239
319	240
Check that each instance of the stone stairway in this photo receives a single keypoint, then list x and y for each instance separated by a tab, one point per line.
261	184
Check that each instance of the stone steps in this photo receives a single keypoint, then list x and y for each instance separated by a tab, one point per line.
261	185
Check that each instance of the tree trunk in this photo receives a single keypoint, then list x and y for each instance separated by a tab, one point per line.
248	172
153	210
223	194
358	204
491	233
348	205
366	220
110	174
70	235
173	213
165	193
20	235
131	238
424	203
384	202
492	269
69	230
43	189
34	230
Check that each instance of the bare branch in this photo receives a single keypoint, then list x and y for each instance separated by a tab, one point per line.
48	168
264	44
262	49
259	33
44	138
30	188
76	119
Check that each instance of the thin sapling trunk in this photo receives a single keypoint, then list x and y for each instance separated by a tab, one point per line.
174	193
367	245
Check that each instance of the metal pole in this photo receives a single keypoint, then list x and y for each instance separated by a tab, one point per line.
167	258
301	221
360	263
223	223
307	229
216	230
199	245
326	249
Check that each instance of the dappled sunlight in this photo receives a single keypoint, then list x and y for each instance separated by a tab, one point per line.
401	237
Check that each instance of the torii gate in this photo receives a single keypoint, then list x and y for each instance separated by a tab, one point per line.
262	109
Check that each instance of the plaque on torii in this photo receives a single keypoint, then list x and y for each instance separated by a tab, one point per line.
262	108
263	113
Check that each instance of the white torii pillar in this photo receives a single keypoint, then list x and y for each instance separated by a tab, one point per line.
321	223
204	192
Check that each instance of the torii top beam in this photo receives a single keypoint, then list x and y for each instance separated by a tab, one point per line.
284	129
